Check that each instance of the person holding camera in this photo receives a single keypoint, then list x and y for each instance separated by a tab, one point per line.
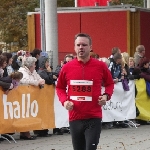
45	72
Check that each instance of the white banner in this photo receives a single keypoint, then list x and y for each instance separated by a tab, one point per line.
61	114
120	107
122	104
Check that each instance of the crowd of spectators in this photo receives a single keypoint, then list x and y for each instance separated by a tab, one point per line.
34	69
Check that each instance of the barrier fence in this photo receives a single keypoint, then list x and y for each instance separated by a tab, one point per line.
30	108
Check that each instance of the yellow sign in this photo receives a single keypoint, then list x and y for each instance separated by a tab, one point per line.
142	100
27	108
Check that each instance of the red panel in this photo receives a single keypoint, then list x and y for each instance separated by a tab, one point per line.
145	31
92	2
37	31
107	29
68	27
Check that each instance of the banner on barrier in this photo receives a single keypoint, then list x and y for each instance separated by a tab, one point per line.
27	108
120	107
122	104
30	108
142	100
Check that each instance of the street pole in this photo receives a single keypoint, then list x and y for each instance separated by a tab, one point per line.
148	3
51	31
42	23
76	3
145	3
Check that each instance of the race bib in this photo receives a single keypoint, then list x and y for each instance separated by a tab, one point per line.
81	90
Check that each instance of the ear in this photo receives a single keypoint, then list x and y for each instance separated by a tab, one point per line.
90	47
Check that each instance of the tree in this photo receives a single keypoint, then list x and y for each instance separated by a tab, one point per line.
13	20
65	3
139	3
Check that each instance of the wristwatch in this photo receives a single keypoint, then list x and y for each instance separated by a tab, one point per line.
107	95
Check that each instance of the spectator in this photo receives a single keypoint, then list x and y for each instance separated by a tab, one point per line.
132	69
14	78
15	64
115	67
105	60
3	64
68	58
140	53
114	51
118	72
36	53
94	55
18	59
131	64
8	69
144	67
30	77
45	73
125	64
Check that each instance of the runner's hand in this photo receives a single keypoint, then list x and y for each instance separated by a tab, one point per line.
102	100
68	105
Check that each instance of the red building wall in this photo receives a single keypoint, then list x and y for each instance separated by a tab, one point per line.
107	29
37	31
82	3
145	31
68	26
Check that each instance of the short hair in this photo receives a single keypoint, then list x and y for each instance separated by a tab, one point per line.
84	35
35	52
29	61
117	56
8	56
115	50
16	75
140	48
2	60
68	55
131	58
92	54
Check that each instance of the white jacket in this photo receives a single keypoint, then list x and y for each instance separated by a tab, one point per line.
28	77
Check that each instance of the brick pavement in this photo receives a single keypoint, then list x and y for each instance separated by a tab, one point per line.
111	139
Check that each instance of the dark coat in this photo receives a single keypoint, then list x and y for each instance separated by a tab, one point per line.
115	69
5	83
145	73
44	74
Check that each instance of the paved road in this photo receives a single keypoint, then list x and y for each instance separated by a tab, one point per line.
111	139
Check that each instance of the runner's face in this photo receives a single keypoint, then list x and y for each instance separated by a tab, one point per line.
82	47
